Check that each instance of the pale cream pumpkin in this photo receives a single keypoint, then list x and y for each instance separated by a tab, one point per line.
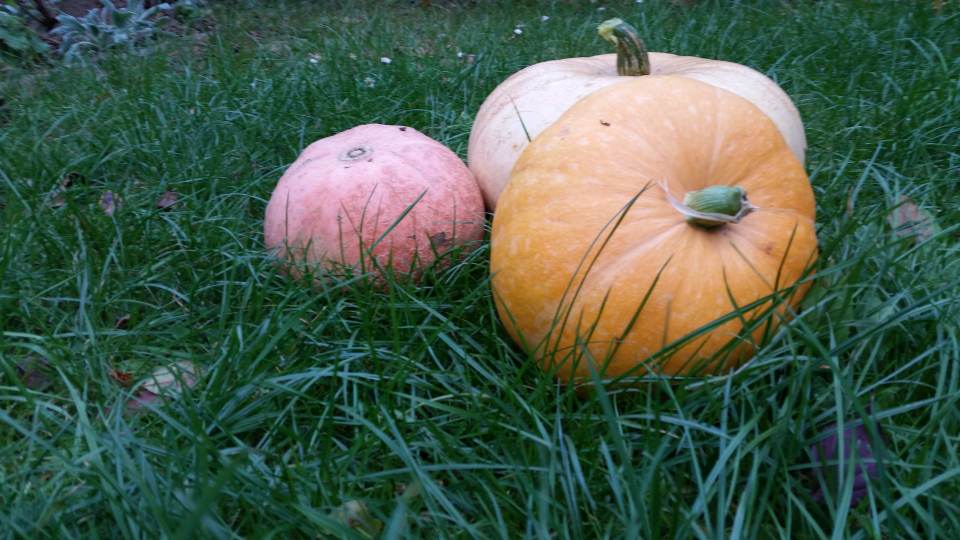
534	97
596	261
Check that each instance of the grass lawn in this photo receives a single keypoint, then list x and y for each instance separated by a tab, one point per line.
412	399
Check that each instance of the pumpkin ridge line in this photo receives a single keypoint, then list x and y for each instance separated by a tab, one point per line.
626	257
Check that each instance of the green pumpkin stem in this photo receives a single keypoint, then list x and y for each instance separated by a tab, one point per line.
632	57
713	206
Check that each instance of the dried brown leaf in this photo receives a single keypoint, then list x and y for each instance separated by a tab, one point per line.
57	199
356	515
72	178
910	221
171	380
167	200
109	203
165	383
34	373
122	322
142	401
124	378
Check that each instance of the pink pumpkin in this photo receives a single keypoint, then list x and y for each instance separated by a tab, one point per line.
389	192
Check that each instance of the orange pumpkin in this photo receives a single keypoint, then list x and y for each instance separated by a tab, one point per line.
374	197
534	97
578	279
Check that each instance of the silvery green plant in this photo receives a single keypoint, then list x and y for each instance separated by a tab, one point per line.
106	27
16	36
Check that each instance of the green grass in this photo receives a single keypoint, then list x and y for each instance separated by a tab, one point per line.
315	397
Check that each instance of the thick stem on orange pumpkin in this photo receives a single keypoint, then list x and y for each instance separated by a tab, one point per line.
632	57
713	206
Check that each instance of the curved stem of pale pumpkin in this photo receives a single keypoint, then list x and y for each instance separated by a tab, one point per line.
632	57
713	206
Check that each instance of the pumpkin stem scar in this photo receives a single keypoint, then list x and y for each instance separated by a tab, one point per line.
632	57
355	153
713	206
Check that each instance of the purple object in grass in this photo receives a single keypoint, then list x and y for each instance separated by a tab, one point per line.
857	445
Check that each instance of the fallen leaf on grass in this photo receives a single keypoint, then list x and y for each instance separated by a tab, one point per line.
122	322
109	203
141	401
171	380
909	220
123	377
57	199
72	178
356	515
34	373
167	200
166	382
857	446
851	202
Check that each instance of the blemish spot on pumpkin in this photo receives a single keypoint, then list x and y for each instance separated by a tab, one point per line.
440	239
604	123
